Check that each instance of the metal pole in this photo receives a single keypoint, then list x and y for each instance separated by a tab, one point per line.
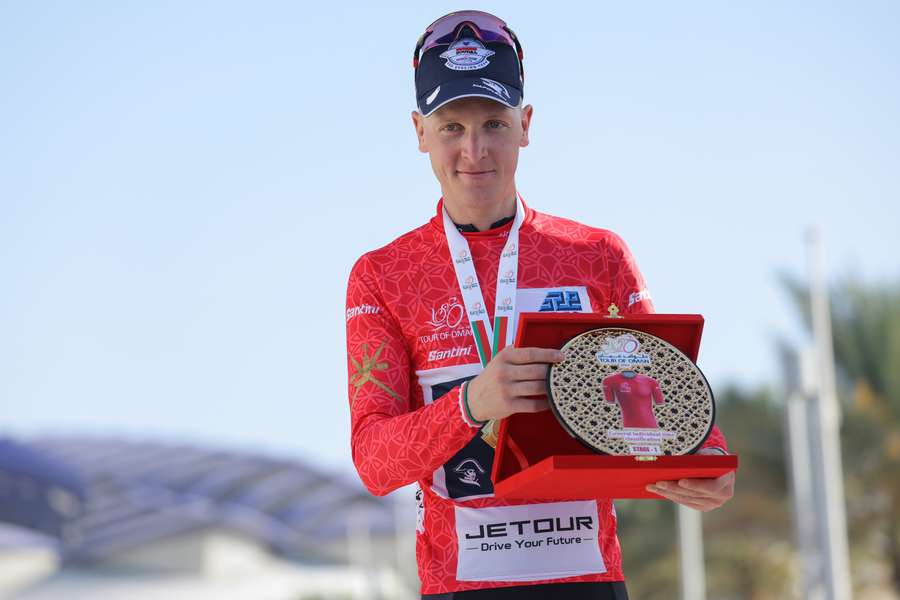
799	386
826	434
690	539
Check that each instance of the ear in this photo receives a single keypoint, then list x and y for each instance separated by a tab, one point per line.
419	125
527	111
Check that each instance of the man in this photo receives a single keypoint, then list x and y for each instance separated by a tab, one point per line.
430	324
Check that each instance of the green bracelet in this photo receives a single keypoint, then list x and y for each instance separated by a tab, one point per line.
465	392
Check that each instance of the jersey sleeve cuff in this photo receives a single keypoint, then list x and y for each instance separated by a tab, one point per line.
462	408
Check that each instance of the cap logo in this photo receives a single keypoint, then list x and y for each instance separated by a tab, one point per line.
493	86
467	54
433	95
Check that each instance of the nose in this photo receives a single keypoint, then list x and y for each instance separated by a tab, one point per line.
474	147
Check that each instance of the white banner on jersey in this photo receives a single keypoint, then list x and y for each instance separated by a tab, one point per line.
489	340
528	542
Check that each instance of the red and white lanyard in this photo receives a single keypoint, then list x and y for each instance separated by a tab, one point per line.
488	340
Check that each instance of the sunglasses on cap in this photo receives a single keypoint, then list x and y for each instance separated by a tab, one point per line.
485	26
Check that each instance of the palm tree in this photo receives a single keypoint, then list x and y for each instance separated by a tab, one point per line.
866	335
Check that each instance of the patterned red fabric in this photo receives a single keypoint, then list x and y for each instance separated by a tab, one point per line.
409	348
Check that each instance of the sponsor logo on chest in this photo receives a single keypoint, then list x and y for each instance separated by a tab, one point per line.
528	542
505	529
449	353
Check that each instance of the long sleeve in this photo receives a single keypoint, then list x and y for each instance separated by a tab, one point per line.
392	445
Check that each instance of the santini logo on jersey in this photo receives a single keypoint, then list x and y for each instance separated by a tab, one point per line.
362	309
561	302
452	353
636	297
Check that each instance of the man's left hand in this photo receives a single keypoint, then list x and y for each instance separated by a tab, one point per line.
699	494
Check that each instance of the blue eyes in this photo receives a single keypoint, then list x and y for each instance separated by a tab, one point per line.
488	125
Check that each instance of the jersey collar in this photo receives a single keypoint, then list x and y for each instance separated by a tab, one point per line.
469	230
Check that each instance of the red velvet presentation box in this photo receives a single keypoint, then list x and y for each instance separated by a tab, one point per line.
537	459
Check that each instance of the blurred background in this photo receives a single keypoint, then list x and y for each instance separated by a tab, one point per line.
184	187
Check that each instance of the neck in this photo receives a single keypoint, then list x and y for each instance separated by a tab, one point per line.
481	216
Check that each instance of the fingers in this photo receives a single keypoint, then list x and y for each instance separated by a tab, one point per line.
524	356
686	499
529	388
529	405
708	487
528	372
699	494
511	373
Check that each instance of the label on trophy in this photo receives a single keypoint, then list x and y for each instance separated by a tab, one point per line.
625	392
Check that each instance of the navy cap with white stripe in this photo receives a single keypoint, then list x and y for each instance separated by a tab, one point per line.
468	67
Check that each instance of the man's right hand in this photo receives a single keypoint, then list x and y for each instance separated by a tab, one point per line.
510	383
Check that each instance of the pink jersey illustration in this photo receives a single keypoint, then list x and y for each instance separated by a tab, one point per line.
636	394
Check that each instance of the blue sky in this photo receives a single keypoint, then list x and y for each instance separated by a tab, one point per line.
184	187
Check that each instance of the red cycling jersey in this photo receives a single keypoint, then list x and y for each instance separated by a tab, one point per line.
635	394
410	348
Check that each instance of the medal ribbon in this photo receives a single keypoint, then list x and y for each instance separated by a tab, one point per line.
489	340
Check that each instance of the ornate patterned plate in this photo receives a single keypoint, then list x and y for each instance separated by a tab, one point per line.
626	392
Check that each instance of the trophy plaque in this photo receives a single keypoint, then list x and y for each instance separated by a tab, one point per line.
622	391
610	362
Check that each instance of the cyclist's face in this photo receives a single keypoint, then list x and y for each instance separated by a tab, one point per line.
473	144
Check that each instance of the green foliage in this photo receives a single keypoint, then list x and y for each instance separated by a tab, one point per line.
747	541
866	334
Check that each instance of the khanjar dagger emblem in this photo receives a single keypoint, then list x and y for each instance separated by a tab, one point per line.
365	371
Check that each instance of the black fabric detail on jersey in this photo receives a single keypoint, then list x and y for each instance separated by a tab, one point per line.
468	472
439	390
469	228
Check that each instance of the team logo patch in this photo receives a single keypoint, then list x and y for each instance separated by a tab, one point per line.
467	54
468	471
561	301
497	88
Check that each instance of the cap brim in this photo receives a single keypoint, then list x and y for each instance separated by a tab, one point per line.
469	87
